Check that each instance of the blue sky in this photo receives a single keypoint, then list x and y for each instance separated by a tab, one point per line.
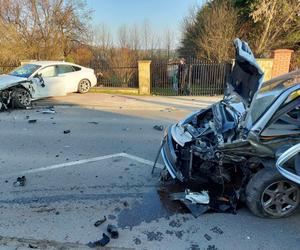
161	14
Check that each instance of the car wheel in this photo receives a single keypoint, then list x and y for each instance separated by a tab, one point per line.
21	98
84	86
268	194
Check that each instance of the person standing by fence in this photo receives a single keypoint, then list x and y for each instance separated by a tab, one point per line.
182	77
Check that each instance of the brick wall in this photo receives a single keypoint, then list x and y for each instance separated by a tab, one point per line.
281	61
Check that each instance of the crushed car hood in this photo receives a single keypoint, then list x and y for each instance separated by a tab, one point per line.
246	76
7	81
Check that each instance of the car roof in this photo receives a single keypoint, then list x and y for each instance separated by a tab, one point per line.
46	63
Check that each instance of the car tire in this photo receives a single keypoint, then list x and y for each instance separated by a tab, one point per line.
20	98
270	195
84	86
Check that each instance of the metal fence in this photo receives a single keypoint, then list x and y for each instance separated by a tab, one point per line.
121	76
195	77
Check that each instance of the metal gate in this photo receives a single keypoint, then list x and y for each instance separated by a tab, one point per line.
195	77
117	76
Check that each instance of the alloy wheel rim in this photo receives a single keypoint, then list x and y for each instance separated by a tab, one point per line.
84	85
280	198
24	98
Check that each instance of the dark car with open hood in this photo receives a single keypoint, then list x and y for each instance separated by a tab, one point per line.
234	143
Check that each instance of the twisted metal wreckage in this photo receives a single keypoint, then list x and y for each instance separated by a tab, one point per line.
233	144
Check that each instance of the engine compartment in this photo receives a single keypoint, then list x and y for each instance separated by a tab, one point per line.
204	157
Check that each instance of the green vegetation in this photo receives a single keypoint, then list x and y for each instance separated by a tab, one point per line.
265	24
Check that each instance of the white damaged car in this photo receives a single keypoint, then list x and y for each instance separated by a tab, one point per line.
43	79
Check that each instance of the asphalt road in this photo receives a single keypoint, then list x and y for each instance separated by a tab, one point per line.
102	168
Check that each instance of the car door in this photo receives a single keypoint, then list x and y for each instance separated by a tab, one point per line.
288	164
54	84
68	74
283	129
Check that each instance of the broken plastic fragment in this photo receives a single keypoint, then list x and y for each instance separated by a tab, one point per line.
67	131
32	246
208	237
99	222
113	231
49	111
32	121
21	181
104	241
194	197
159	127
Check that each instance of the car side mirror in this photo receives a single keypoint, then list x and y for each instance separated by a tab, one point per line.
41	79
290	155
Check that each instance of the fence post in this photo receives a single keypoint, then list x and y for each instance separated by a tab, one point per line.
144	77
281	63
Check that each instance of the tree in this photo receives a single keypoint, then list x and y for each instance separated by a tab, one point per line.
276	24
210	33
45	29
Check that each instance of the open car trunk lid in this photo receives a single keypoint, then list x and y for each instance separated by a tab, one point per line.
246	76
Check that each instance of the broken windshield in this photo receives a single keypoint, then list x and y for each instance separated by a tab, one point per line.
25	70
269	92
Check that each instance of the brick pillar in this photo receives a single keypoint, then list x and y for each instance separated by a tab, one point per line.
144	77
281	63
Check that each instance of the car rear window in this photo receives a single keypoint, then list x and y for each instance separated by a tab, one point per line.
76	68
62	69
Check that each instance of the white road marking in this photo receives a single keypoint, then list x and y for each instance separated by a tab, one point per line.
142	160
83	161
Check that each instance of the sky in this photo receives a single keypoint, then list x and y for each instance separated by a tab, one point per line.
161	14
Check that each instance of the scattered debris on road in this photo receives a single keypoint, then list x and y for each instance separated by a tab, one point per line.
45	210
195	197
49	110
158	127
20	182
217	230
32	246
208	237
32	121
113	231
217	204
95	123
68	131
104	241
99	222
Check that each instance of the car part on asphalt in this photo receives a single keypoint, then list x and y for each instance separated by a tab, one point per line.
99	222
224	204
208	237
49	110
230	142
113	231
21	181
68	131
103	242
32	246
158	127
32	121
195	197
217	230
